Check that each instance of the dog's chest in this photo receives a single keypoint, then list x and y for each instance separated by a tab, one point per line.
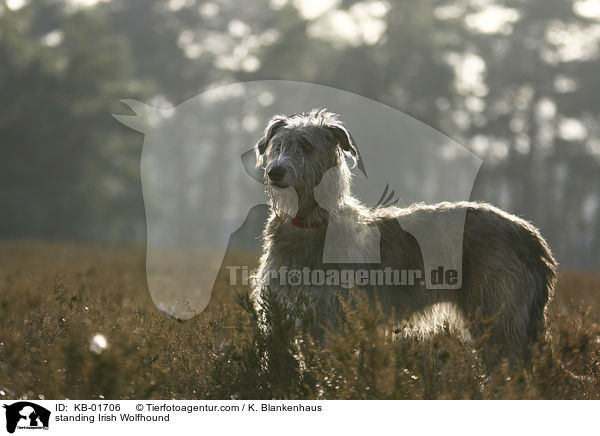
299	247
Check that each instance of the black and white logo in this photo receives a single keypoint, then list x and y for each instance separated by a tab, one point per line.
26	415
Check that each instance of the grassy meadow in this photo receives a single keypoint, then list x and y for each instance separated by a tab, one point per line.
55	297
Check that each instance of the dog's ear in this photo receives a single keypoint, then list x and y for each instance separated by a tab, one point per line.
275	124
345	140
348	145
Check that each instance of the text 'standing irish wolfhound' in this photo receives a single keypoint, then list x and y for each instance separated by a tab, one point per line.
508	273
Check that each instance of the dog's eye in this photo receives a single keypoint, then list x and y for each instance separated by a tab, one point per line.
306	146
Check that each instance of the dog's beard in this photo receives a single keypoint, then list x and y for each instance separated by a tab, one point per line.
326	197
284	201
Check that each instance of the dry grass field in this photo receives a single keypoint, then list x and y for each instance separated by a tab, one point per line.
55	297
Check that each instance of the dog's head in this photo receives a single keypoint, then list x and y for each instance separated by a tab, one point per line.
307	153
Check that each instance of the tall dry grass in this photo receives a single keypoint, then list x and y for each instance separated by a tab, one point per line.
55	297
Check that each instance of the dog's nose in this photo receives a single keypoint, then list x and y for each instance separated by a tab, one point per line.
276	174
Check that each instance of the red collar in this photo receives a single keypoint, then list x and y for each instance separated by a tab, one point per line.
304	225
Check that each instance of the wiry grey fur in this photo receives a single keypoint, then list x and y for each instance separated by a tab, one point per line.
508	270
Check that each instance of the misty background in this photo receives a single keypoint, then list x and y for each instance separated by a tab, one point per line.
515	82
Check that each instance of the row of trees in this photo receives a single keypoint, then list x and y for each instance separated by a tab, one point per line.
515	82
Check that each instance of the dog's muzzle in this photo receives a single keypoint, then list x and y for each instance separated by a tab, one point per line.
277	176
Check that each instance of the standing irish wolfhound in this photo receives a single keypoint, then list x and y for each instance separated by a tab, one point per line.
508	272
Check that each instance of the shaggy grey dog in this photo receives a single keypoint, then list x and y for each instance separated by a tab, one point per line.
508	272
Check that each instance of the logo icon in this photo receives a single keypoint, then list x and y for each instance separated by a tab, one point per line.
26	415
